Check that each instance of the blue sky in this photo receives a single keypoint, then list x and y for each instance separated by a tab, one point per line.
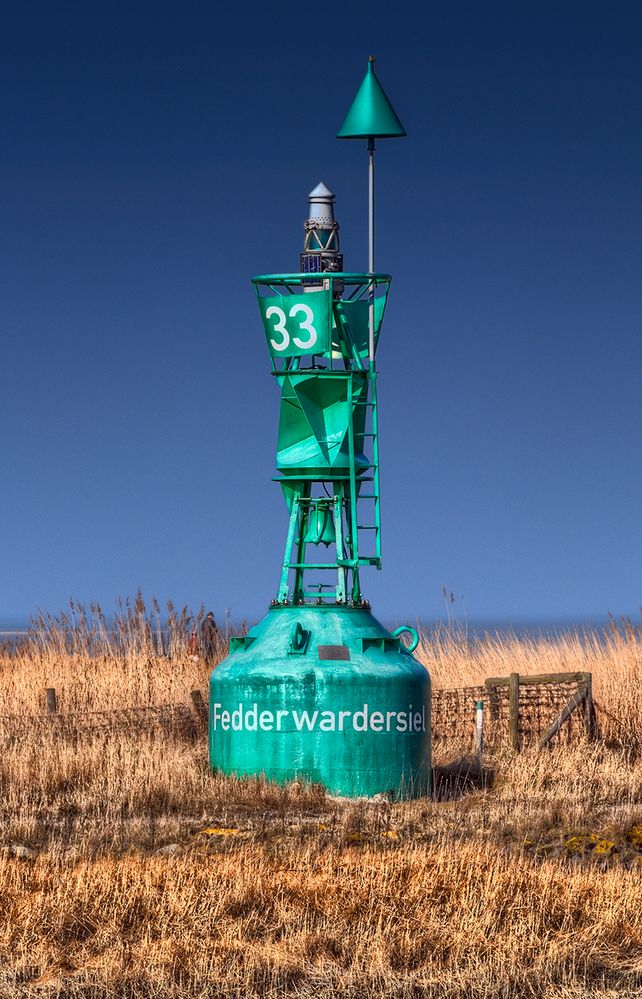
154	157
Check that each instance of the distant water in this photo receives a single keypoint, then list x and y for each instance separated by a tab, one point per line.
13	627
545	630
521	629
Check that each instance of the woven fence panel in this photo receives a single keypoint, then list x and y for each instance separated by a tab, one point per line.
540	704
453	713
175	720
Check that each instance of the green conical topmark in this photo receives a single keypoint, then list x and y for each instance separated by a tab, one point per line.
371	115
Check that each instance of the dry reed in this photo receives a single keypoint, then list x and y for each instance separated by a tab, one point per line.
128	870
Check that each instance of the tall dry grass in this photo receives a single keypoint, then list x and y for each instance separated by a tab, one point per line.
128	869
137	656
311	921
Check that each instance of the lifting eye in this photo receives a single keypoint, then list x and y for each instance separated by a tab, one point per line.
299	640
414	641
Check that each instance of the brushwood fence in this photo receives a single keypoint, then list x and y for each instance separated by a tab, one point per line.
173	720
518	709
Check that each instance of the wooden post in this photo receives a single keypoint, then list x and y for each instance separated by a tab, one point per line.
513	711
589	709
52	702
537	678
200	706
566	712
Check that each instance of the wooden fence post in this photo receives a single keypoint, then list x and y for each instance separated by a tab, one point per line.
513	711
52	701
589	709
200	706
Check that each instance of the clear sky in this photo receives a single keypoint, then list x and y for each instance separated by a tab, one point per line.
155	156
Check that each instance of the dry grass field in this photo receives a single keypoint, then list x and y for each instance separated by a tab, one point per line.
128	870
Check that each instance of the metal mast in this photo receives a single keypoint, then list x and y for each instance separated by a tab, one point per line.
371	116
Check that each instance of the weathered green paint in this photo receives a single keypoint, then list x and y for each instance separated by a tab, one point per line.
277	668
371	115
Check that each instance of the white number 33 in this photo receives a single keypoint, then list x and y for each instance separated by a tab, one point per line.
304	324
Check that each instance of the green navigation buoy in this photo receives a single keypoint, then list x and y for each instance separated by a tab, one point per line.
319	690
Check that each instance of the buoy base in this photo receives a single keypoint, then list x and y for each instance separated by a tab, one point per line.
324	694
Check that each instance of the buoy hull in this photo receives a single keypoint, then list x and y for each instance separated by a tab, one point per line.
324	694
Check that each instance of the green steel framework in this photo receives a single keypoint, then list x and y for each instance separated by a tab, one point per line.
328	448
